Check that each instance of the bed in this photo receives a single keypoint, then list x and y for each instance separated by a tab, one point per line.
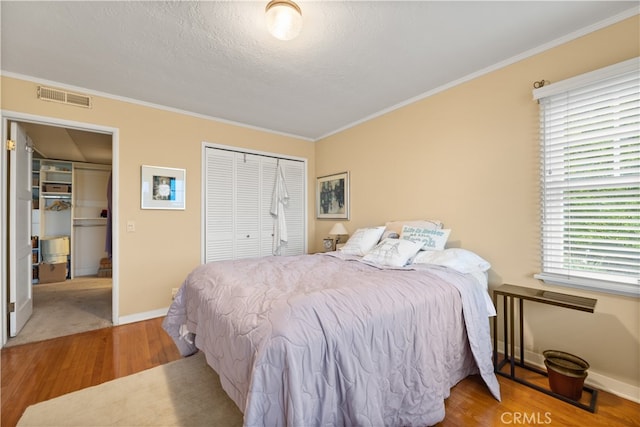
335	339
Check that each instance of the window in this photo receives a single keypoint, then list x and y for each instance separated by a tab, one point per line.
590	180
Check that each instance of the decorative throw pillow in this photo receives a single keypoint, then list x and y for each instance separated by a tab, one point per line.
432	240
461	260
362	241
393	252
395	227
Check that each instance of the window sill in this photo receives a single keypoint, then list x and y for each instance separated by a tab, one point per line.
625	289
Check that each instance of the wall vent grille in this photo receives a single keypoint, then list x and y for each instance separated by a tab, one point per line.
63	97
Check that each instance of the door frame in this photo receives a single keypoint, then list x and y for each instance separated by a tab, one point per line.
7	116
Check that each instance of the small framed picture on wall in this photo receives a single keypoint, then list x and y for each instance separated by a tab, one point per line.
332	196
162	188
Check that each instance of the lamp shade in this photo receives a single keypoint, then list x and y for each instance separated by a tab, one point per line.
338	229
284	19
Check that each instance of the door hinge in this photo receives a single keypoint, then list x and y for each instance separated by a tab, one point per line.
12	307
11	145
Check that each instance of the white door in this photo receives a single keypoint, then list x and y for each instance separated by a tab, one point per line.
20	258
295	211
238	192
219	205
247	206
267	182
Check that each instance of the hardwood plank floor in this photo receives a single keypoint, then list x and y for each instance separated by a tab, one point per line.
39	371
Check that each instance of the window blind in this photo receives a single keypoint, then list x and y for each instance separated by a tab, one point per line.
590	180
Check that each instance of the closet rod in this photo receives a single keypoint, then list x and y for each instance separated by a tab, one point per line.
254	154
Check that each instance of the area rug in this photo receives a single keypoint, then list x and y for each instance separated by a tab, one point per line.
65	308
186	392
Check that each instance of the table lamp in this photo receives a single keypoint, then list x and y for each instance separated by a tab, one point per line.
338	230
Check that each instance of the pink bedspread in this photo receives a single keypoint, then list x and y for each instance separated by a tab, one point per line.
320	340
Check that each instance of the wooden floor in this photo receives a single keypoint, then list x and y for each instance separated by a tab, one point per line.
39	371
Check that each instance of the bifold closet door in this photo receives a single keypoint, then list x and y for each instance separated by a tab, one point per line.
267	182
295	210
219	205
247	206
239	190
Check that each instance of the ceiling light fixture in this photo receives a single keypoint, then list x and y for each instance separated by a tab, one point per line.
284	19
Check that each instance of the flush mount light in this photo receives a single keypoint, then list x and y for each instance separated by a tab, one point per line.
284	19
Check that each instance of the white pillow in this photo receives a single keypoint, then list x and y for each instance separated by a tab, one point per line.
432	240
395	227
362	241
393	252
461	260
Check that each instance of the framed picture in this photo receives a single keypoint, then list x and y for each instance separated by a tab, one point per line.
162	188
332	196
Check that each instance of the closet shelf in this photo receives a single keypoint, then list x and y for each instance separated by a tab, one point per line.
56	195
89	222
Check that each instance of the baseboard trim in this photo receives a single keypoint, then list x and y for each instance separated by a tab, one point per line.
138	317
594	379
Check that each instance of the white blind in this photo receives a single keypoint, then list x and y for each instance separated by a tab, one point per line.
590	177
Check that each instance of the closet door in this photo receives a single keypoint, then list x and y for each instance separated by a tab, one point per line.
294	174
294	211
268	169
238	191
219	205
247	206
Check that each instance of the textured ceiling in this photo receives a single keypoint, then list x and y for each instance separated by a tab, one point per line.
353	60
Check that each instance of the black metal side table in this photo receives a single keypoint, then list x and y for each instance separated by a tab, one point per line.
509	293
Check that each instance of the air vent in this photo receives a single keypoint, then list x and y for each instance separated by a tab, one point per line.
63	97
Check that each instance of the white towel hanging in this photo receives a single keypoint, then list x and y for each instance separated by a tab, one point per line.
279	199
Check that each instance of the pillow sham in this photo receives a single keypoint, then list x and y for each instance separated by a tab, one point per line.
395	227
393	252
432	240
459	259
362	241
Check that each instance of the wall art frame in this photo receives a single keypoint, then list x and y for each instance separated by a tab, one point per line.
332	196
162	188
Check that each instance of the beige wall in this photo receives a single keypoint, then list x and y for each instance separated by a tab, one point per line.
166	244
469	157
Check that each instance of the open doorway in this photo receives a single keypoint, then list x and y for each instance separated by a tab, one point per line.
71	278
